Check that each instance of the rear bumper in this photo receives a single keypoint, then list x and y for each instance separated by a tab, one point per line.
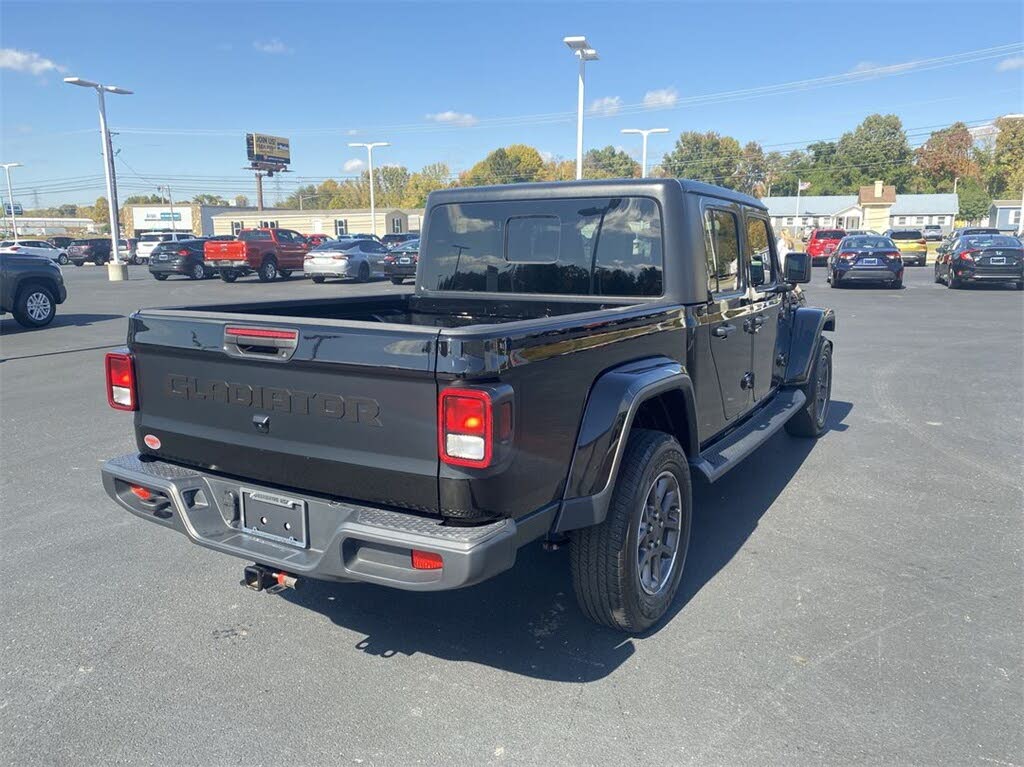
346	541
868	274
328	270
400	270
168	267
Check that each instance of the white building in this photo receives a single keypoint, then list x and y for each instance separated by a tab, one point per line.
875	207
47	227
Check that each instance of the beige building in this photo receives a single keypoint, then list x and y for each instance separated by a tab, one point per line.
875	201
332	222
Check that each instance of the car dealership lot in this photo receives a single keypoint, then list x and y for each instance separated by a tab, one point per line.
854	599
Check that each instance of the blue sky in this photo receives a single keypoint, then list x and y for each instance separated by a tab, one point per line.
451	81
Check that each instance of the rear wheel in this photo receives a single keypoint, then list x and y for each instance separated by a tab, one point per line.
834	282
810	419
364	272
898	284
318	278
62	259
268	270
159	277
285	273
34	307
197	272
626	571
951	280
228	276
1020	284
397	280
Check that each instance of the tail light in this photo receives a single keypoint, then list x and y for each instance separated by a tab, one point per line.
389	259
967	255
14	248
846	256
426	560
182	252
470	423
121	390
922	242
893	255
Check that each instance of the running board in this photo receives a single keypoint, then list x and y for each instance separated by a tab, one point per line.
733	448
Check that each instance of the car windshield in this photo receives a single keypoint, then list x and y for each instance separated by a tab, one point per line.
865	242
907	234
830	234
991	241
154	238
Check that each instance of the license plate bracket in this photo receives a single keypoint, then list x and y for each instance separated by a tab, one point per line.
998	260
277	517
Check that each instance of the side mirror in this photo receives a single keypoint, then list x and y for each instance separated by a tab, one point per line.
797	268
756	274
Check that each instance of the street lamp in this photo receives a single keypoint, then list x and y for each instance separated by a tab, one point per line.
307	197
369	162
116	269
170	203
10	195
581	49
645	134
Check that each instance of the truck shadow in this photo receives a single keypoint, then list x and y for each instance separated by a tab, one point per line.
9	327
526	620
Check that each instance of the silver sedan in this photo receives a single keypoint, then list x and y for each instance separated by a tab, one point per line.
347	259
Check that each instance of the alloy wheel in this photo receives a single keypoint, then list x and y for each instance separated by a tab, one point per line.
38	306
658	533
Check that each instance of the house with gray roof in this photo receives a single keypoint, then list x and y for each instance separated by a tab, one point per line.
1005	215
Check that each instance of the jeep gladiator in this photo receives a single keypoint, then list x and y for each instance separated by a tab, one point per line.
571	353
270	253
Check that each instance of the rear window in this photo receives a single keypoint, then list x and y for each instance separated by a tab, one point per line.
907	234
586	246
868	242
991	241
830	234
253	235
336	246
85	242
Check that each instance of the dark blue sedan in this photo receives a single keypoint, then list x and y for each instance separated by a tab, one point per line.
866	258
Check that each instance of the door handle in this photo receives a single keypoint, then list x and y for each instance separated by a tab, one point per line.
753	324
723	331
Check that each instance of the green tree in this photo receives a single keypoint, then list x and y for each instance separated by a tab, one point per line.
974	199
609	163
143	199
753	170
706	157
67	211
508	165
209	199
945	156
390	184
875	149
431	178
100	211
292	201
1008	157
241	201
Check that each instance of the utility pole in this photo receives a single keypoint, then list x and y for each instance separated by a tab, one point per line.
259	191
170	202
10	195
644	134
582	50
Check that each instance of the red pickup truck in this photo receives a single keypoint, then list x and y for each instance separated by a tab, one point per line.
269	253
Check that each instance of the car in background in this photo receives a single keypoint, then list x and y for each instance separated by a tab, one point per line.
932	232
981	258
36	248
31	287
184	258
866	258
860	232
129	249
391	240
270	253
94	249
318	239
822	243
61	242
358	259
148	241
400	262
222	237
912	244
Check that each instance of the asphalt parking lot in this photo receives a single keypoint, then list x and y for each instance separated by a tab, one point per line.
858	599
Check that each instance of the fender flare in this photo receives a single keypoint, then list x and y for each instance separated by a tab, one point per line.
608	415
809	322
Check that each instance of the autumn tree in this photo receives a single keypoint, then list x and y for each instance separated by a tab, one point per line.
241	201
430	178
100	211
947	155
508	165
706	157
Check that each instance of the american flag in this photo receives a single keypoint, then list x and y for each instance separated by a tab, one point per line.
804	185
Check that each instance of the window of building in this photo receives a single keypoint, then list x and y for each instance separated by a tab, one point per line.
1015	216
722	244
919	220
901	220
236	227
760	269
806	220
340	227
940	219
268	225
396	225
789	221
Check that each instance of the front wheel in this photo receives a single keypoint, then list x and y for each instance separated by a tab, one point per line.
228	276
285	273
62	259
397	280
627	569
268	271
834	282
364	272
810	420
318	278
34	307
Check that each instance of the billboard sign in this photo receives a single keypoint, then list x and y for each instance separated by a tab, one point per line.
262	148
17	210
145	218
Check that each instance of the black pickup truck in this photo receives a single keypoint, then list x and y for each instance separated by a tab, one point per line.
572	352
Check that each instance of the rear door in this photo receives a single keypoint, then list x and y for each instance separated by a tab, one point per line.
730	308
763	324
346	409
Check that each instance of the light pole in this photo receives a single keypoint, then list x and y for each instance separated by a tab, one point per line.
117	270
581	49
10	195
170	202
369	163
307	197
645	134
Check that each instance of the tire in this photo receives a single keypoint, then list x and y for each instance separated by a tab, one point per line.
229	276
610	586
1020	284
285	273
834	282
78	263
397	280
98	260
938	279
897	285
197	272
159	277
268	270
63	259
34	307
810	420
364	273
318	279
951	281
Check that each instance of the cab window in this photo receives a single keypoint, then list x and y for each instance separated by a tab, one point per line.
722	243
760	266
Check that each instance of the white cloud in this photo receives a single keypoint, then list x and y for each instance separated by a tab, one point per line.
353	132
353	165
607	106
1008	65
272	46
27	61
659	99
463	119
546	156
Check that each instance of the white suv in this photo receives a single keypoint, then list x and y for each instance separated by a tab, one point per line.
149	241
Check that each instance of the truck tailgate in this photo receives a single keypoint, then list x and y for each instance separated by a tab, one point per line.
224	250
344	409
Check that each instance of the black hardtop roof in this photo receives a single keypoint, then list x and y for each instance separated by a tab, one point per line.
658	187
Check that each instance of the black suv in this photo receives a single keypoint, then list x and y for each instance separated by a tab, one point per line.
184	257
96	250
30	289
